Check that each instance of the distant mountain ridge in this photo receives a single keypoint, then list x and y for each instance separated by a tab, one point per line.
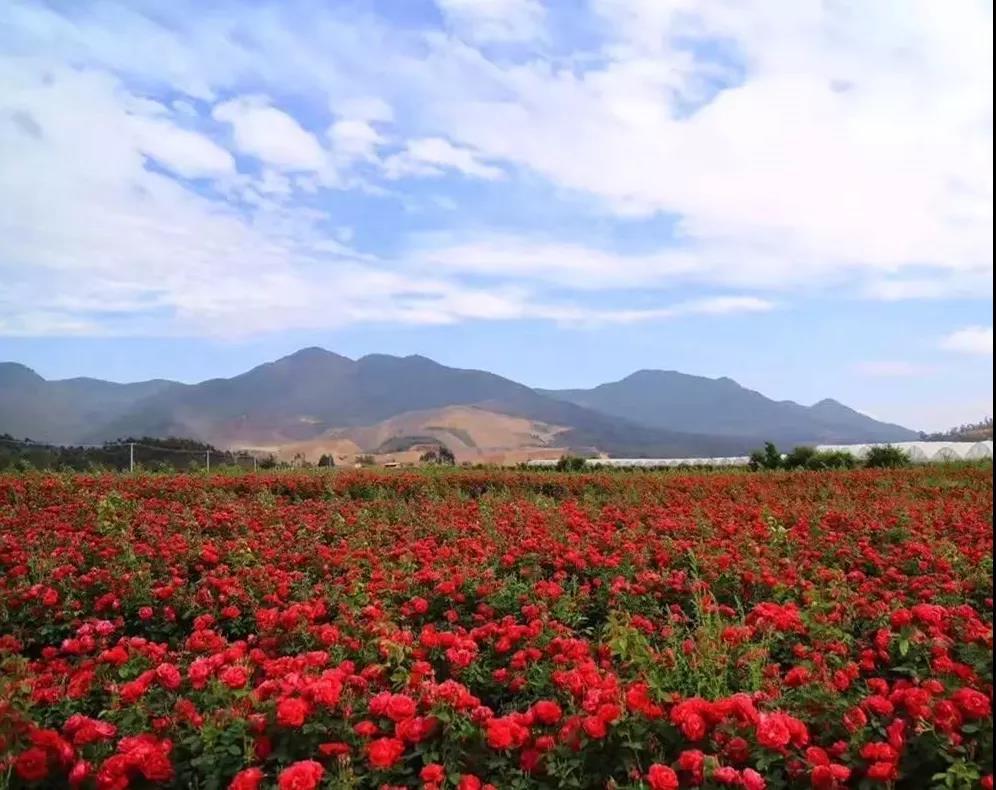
313	393
678	401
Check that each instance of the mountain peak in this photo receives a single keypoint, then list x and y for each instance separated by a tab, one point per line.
312	353
16	373
829	404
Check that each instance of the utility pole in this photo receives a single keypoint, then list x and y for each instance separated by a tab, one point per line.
254	467
131	456
207	455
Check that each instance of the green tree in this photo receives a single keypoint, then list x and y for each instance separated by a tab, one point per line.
768	458
886	457
570	463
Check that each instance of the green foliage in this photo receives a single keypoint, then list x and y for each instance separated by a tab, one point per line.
570	463
886	457
801	457
441	455
769	458
804	457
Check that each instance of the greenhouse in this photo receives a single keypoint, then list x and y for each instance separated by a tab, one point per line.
918	452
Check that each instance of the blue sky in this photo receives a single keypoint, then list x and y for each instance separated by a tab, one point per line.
794	194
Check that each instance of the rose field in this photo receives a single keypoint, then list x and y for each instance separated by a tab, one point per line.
472	629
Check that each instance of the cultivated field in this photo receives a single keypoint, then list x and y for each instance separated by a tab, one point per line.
461	629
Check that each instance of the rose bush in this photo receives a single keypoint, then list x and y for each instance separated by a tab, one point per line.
497	629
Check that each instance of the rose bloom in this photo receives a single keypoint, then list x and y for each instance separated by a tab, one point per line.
249	779
692	761
662	777
973	704
433	772
752	780
883	772
366	728
502	734
400	707
594	727
384	752
827	777
234	677
333	748
169	676
302	775
79	773
547	712
772	733
32	764
291	712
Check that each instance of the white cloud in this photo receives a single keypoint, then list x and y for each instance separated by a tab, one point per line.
270	135
184	152
976	340
364	108
489	21
798	147
136	252
433	156
853	141
355	139
969	283
712	306
889	368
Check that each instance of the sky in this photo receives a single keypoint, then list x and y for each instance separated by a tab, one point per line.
796	194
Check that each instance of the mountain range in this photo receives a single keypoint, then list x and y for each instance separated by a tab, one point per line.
315	401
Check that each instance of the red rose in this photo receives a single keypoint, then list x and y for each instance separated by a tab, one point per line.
334	748
855	719
505	734
829	777
594	727
234	677
291	712
883	772
692	761
973	704
384	752
366	728
609	713
32	764
302	775
772	732
433	772
415	729
662	777
752	780
249	779
547	712
400	707
169	676
693	727
79	774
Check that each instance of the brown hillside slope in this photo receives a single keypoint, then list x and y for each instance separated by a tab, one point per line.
471	433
